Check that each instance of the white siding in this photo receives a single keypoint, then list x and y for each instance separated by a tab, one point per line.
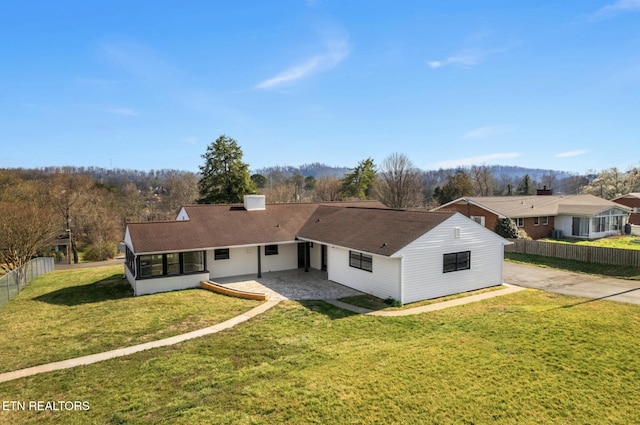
245	261
164	284
422	263
383	282
287	259
241	261
182	215
315	256
565	224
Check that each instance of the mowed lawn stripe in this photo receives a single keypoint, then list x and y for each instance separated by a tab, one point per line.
73	313
529	357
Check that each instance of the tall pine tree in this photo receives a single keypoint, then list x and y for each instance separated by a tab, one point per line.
225	178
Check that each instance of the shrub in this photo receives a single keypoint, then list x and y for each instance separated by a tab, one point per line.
100	251
393	302
507	228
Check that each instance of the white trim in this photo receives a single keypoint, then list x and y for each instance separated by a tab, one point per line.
468	201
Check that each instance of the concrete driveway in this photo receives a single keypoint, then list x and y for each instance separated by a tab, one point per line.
568	283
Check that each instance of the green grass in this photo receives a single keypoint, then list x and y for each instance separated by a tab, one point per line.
71	313
374	303
630	273
623	242
524	358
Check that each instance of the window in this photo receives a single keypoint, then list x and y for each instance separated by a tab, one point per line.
519	221
361	261
536	221
151	265
478	219
173	263
456	261
545	220
193	262
131	259
271	250
221	254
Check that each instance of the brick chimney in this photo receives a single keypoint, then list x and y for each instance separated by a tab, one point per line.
544	191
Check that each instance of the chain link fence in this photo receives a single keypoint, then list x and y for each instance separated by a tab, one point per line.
15	281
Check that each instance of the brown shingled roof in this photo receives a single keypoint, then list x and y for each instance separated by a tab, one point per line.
212	226
378	231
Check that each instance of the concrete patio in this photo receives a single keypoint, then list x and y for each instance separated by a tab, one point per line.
290	285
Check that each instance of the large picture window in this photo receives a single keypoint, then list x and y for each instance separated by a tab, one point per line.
193	262
456	261
151	265
361	261
171	264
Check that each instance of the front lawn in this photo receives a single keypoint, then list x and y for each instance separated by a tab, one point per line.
622	242
72	313
525	358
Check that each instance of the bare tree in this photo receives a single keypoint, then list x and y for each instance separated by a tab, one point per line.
281	193
26	226
327	189
68	198
399	184
182	189
483	181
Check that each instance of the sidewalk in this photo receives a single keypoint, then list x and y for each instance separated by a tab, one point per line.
94	358
510	289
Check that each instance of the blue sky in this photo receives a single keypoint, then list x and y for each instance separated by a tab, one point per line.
149	84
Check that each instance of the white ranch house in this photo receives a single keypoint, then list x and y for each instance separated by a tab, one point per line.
405	255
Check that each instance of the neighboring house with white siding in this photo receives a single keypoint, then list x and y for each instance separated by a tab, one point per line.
405	255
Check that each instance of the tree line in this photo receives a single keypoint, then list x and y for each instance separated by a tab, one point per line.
89	207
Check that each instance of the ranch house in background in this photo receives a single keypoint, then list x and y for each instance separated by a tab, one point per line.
544	216
631	200
405	255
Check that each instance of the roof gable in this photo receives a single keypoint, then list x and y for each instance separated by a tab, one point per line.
378	231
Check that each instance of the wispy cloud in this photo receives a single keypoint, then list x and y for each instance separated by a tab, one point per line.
615	9
122	111
485	132
192	140
465	59
483	159
336	52
570	154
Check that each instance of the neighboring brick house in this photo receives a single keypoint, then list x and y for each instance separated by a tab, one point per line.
631	200
578	216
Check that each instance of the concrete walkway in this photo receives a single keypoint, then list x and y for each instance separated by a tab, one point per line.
431	307
94	358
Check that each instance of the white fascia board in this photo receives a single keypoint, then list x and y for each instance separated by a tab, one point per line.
346	247
468	201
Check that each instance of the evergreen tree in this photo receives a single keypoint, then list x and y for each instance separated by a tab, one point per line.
358	183
225	178
507	228
526	186
457	186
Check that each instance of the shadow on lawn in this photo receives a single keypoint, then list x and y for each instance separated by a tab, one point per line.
111	288
596	299
332	312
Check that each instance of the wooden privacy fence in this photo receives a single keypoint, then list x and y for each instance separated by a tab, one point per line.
589	254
